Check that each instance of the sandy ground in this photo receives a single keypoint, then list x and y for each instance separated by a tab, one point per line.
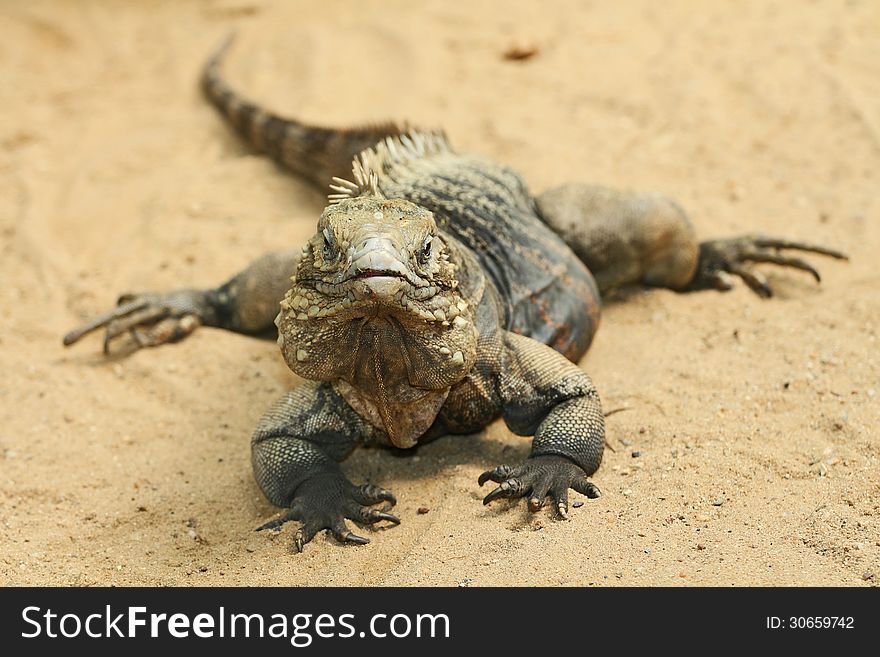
756	421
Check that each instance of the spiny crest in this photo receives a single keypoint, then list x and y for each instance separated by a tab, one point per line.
389	153
366	182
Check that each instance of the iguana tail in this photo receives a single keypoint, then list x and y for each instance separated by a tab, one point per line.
315	153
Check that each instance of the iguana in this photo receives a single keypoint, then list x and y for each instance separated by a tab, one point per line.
437	295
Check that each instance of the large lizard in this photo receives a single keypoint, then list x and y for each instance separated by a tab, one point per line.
436	296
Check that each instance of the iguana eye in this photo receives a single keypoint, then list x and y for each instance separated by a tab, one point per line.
329	246
427	248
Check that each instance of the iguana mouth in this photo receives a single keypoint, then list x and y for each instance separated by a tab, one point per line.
374	273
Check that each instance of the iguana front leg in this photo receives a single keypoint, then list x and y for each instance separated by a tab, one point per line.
296	450
247	303
628	238
544	395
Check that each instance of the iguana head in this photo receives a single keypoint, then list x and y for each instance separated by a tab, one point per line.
376	302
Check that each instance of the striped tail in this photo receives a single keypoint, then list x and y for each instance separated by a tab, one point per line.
317	154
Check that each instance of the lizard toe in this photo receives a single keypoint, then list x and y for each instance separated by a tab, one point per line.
343	534
367	494
497	474
512	487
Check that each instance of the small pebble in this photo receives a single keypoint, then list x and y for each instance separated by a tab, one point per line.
577	504
520	51
867	575
636	454
422	510
718	501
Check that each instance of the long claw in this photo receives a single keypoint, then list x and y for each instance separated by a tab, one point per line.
102	320
390	517
346	536
752	279
277	522
494	495
776	259
371	516
774	243
508	488
354	538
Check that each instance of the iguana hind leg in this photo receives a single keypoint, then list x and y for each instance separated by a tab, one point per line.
628	238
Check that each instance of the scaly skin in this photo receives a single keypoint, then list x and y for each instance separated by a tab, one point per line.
436	296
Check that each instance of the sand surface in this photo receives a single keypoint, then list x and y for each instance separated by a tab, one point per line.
756	421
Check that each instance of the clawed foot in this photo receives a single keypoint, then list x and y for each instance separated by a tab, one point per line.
721	258
150	319
324	502
540	477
